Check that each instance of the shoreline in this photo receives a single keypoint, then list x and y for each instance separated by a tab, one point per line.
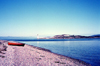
75	60
41	56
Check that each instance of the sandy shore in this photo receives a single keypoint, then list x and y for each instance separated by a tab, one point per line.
28	55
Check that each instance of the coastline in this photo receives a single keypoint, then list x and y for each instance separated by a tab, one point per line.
75	60
34	56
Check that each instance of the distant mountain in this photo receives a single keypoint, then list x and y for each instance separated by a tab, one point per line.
96	35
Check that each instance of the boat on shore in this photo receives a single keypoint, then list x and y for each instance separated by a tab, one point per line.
16	44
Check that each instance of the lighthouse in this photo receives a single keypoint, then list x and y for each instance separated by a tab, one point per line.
37	36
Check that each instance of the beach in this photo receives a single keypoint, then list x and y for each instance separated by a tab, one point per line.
28	55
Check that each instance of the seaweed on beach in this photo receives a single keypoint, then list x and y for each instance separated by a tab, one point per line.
0	42
2	56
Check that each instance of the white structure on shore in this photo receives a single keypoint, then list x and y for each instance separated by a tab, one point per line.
37	36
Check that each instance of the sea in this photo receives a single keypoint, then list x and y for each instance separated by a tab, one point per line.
87	50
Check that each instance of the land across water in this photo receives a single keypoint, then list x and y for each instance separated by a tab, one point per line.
67	36
28	55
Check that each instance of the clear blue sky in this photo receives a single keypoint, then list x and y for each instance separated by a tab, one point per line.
49	17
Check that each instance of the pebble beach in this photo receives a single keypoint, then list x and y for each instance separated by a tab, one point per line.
28	55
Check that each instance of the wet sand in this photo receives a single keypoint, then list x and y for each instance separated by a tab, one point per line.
28	55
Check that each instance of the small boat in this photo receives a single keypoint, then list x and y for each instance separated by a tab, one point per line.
16	44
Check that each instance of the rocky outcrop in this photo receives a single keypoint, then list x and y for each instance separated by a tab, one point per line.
3	47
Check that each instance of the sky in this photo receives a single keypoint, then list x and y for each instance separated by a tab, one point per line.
49	17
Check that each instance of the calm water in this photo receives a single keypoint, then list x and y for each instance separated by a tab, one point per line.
87	50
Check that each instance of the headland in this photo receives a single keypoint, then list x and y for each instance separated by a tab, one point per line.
67	36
